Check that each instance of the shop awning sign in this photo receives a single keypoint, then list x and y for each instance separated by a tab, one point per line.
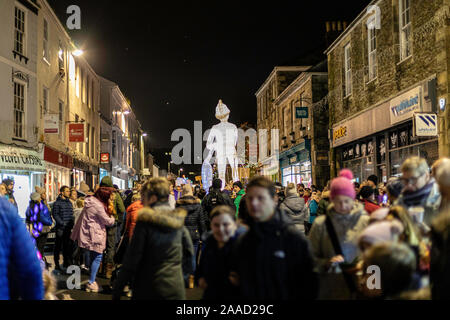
76	132
404	106
51	124
426	125
301	113
104	158
21	159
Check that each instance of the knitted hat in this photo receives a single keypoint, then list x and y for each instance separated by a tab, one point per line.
187	190
39	190
221	110
346	173
342	187
35	196
381	232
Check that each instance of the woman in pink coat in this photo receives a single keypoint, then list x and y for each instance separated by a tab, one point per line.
90	230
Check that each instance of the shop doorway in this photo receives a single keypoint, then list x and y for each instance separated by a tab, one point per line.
21	191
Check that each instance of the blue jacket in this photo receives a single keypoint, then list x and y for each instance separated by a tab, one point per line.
63	213
18	257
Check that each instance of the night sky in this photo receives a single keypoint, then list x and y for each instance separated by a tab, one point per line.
175	60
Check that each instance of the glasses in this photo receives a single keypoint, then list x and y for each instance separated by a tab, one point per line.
413	180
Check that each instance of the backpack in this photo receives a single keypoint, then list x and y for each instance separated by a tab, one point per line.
215	198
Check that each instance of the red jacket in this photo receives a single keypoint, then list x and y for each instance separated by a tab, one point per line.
370	207
132	214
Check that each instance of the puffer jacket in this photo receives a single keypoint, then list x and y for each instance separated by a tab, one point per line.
195	220
154	256
348	228
132	214
90	230
119	207
294	206
62	213
18	257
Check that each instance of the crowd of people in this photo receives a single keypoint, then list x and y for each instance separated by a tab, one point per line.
253	240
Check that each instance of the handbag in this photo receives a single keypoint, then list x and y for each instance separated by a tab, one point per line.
338	250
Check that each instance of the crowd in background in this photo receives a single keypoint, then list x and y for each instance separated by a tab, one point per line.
255	241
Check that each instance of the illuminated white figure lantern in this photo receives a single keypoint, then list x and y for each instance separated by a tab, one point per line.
222	139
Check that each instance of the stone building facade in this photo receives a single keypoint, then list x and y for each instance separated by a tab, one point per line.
388	65
304	142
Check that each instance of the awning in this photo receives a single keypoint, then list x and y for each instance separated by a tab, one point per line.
12	158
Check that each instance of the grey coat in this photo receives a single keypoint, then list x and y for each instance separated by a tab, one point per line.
348	228
294	206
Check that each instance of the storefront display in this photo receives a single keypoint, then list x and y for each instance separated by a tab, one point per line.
26	168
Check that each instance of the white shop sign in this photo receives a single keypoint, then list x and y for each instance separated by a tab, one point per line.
404	106
426	125
21	159
51	124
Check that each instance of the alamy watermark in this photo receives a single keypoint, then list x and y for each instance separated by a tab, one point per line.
74	20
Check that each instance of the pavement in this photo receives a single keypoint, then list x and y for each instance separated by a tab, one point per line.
62	292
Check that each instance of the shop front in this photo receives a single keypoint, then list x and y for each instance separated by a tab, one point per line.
83	171
270	168
296	165
26	168
377	141
59	168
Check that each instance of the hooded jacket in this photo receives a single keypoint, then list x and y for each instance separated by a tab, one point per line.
348	229
18	257
132	214
154	256
295	208
237	201
90	230
119	207
62	212
274	262
195	220
323	203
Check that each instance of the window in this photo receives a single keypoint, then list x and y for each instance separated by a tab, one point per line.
77	82
113	144
83	86
61	56
93	154
372	48
88	133
405	29
19	110
45	42
19	31
45	98
293	117
92	94
347	70
88	86
286	120
61	119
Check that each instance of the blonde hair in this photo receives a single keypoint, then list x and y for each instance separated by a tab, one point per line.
80	202
160	187
416	165
49	285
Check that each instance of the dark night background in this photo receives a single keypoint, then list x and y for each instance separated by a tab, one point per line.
174	61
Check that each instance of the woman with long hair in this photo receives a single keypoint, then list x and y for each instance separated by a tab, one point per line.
90	230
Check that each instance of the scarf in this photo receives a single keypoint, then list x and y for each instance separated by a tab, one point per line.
419	197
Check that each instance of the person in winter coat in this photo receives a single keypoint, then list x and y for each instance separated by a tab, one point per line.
90	231
272	260
113	231
214	267
440	256
132	214
153	260
312	206
347	218
216	197
3	191
420	189
294	206
443	180
37	217
238	188
9	183
324	202
17	250
195	221
368	199
62	213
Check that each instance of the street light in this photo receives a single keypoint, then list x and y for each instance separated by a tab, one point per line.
77	52
127	112
181	170
144	134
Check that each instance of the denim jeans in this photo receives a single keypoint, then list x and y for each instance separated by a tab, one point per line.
94	259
